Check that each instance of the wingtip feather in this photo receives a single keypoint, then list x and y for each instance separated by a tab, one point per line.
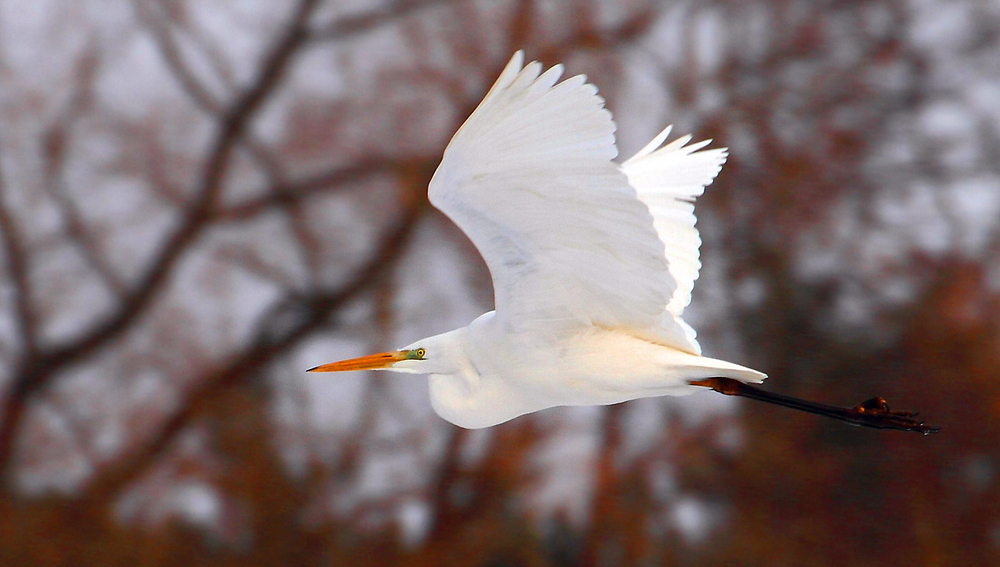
653	144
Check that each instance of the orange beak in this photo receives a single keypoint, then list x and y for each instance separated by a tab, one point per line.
370	362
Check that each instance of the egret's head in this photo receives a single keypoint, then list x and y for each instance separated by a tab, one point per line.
405	360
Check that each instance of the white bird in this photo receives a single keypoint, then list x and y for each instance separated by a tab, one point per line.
593	263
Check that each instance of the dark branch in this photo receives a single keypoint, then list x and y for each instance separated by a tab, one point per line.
198	215
390	13
202	96
56	138
17	266
313	311
196	221
294	192
191	85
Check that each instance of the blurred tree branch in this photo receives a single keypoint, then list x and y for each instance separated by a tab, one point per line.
17	268
57	137
41	365
389	13
308	313
159	26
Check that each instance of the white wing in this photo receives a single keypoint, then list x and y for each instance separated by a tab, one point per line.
668	180
530	179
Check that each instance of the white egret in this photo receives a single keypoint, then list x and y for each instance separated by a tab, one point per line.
592	263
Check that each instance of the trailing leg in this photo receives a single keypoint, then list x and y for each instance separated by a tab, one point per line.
870	413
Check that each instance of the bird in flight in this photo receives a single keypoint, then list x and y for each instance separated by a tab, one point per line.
592	262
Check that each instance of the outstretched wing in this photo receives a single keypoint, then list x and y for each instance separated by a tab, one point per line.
668	179
530	179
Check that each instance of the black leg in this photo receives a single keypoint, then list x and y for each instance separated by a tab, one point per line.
870	413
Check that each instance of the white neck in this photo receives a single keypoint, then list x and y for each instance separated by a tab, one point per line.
468	391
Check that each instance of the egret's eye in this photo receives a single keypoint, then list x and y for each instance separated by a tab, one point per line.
420	352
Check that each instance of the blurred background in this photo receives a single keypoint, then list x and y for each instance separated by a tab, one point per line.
201	199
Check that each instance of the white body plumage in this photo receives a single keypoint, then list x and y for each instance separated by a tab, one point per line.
494	376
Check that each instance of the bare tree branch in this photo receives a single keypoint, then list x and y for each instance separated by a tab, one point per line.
311	313
199	93
56	138
196	219
390	13
17	266
294	192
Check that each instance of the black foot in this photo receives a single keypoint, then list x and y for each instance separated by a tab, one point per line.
876	413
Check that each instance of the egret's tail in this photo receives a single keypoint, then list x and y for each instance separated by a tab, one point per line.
694	367
715	368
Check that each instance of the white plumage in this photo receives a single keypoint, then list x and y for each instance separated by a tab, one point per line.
668	179
530	178
592	262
